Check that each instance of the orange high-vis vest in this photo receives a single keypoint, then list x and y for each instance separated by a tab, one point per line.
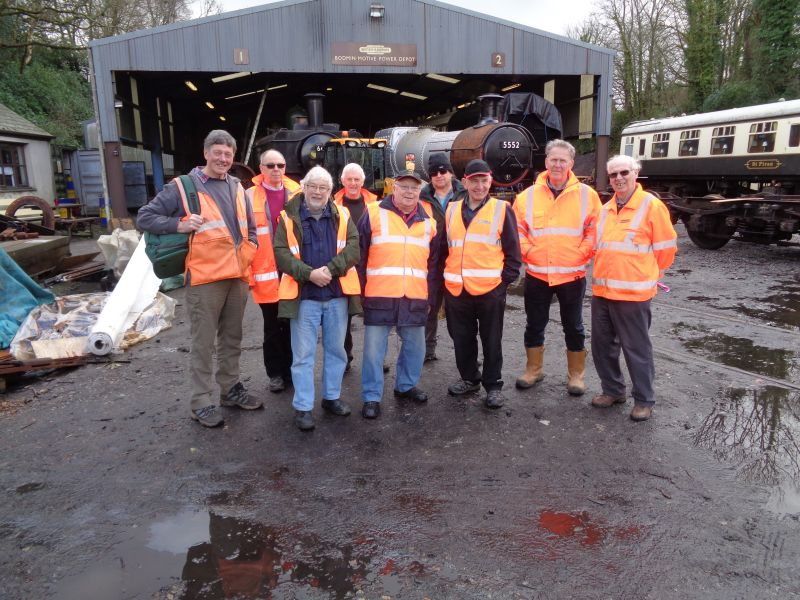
475	257
397	264
556	235
263	270
213	254
368	196
289	289
633	247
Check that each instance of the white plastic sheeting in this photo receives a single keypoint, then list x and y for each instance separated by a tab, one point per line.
135	291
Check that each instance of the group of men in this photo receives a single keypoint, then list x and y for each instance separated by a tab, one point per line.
313	260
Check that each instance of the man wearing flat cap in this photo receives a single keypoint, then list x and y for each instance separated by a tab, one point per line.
399	258
442	189
483	260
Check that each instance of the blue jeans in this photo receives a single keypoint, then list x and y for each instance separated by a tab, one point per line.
409	362
332	316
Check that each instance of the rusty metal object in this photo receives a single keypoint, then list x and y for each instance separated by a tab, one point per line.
244	173
36	203
508	148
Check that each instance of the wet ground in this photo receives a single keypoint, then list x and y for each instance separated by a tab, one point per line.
110	491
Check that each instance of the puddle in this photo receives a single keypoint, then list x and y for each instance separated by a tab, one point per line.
758	430
738	352
29	487
581	528
780	308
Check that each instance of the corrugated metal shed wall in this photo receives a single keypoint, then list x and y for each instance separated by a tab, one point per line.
296	36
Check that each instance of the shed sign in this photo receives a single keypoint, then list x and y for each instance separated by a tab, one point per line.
374	55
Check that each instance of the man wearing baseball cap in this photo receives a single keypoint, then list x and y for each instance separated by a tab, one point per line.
483	260
399	254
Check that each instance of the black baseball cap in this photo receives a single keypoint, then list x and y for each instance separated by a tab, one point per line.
477	167
408	173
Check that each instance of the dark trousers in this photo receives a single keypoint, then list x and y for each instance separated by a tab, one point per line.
538	296
432	324
277	342
468	316
619	324
348	340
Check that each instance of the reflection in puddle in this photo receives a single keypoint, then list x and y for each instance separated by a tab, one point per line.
580	527
758	430
738	352
243	559
782	308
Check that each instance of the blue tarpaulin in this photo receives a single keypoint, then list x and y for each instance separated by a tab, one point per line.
19	294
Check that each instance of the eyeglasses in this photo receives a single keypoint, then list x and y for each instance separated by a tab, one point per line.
406	188
273	165
310	187
440	171
624	173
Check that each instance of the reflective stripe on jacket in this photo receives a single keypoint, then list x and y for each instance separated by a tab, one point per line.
263	270
475	257
634	246
368	196
288	289
397	265
213	253
556	235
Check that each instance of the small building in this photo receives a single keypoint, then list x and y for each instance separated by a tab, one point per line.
26	166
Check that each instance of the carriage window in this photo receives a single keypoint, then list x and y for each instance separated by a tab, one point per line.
722	139
660	145
762	137
641	146
690	141
794	136
628	146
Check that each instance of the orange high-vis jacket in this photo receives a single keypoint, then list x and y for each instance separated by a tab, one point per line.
291	185
397	265
289	289
369	197
213	254
263	270
556	235
475	257
635	245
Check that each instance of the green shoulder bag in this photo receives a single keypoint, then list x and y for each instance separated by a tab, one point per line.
167	251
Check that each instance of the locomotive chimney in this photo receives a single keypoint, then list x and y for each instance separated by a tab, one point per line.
314	104
489	104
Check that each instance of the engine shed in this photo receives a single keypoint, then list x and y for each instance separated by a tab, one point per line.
379	64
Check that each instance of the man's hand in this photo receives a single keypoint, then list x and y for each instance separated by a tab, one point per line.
193	223
321	277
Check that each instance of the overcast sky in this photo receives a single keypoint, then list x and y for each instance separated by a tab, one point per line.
549	15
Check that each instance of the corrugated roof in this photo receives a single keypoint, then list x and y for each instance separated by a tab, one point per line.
14	124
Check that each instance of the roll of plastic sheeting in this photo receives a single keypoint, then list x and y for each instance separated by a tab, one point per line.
135	291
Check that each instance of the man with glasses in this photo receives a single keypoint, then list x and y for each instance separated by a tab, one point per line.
270	192
442	189
316	247
221	248
399	258
557	219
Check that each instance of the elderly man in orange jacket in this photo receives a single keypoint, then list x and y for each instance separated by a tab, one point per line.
556	218
636	243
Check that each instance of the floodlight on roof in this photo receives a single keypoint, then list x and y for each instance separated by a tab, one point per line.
221	118
190	85
443	78
382	88
508	88
209	105
230	76
415	96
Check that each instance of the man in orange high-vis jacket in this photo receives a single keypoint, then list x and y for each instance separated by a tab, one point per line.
482	261
399	254
556	218
355	199
316	248
268	196
222	246
636	243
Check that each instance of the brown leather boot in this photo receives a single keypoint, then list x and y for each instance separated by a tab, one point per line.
604	400
533	370
640	412
576	368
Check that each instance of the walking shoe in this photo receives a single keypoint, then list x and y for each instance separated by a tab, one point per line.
208	416
238	396
336	407
415	394
462	386
304	420
641	412
277	384
371	410
494	399
604	400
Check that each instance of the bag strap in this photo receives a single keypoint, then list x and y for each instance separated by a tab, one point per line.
191	192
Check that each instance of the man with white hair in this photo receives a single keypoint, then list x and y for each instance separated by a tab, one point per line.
355	198
556	218
316	247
